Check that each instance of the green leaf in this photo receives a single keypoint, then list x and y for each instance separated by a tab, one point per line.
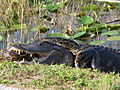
7	81
114	32
73	14
90	7
58	35
86	20
42	29
53	7
16	1
100	25
1	38
18	26
97	42
82	28
113	27
34	29
2	27
114	38
29	41
49	0
79	34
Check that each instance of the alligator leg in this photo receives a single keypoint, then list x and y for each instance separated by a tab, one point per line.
78	63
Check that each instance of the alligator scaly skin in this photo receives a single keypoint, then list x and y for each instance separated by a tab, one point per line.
71	45
103	58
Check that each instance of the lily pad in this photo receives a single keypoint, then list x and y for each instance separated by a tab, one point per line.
114	32
97	42
53	7
58	35
79	34
90	7
86	20
114	38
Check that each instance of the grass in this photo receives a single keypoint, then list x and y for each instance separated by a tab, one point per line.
59	77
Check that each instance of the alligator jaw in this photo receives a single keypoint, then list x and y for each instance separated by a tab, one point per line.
21	56
17	50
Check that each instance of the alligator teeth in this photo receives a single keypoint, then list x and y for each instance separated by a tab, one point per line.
23	60
25	52
21	51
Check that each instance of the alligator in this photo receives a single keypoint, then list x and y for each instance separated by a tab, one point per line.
27	52
43	52
56	50
91	56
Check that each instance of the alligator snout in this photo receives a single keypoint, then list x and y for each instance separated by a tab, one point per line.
19	55
23	56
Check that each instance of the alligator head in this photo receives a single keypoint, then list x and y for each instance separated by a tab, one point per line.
43	52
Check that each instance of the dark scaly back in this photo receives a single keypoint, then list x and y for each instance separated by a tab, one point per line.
102	58
85	47
107	49
69	44
73	46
